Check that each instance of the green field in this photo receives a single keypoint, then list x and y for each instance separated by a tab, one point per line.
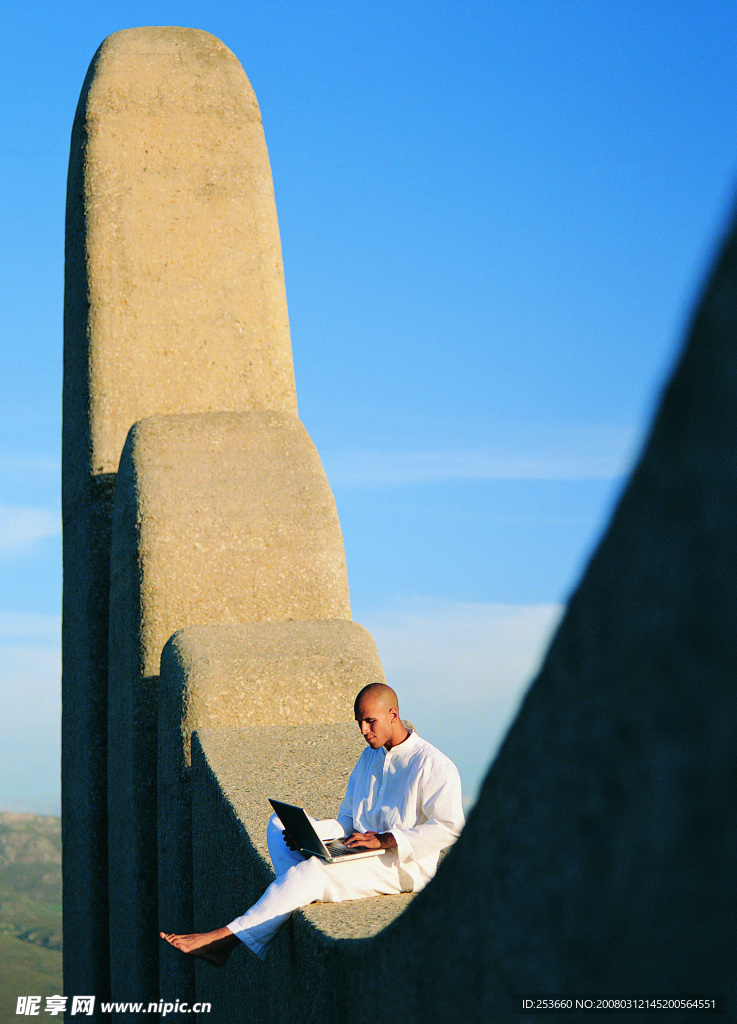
26	970
30	911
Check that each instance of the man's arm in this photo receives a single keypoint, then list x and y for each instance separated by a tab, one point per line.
442	810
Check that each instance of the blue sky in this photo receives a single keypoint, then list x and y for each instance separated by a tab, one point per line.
495	219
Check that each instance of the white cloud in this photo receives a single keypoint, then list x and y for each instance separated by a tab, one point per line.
491	646
21	527
461	670
546	453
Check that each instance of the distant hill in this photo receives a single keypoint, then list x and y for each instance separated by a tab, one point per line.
30	910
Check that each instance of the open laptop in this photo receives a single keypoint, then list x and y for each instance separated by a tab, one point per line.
296	822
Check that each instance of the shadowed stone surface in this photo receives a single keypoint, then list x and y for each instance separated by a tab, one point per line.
219	517
86	545
174	302
280	675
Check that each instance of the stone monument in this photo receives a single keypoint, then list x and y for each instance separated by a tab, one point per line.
216	508
206	605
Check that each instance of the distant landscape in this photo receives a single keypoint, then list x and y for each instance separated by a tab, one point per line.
30	910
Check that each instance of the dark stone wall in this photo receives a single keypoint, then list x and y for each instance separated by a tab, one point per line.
600	857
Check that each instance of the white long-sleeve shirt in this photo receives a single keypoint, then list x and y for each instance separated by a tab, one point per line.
412	791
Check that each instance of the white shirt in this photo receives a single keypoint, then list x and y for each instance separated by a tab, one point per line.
412	791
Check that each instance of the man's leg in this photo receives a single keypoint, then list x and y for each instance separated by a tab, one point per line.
300	881
306	882
213	947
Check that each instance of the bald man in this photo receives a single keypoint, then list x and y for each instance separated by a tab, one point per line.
403	797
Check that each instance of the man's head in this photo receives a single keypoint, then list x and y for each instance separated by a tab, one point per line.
377	712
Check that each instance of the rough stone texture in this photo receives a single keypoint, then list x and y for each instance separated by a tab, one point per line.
600	855
176	247
230	515
174	302
218	518
255	675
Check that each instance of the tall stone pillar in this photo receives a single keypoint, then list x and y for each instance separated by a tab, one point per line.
174	302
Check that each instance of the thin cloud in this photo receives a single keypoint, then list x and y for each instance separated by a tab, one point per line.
23	526
486	649
594	453
30	691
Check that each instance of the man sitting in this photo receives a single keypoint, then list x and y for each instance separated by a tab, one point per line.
403	797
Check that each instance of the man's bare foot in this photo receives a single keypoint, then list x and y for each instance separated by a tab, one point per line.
213	947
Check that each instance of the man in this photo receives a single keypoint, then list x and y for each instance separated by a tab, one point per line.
403	797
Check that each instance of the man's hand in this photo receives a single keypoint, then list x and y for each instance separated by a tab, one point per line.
291	841
371	840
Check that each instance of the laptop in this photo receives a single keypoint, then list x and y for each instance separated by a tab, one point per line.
296	822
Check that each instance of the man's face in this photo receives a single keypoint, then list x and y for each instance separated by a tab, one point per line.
375	722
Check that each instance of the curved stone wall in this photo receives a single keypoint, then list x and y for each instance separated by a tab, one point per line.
599	859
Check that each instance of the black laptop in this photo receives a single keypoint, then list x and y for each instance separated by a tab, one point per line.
296	822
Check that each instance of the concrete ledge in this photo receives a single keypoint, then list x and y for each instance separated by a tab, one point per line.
234	771
358	919
266	673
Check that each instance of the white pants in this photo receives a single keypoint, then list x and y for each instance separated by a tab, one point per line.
302	880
